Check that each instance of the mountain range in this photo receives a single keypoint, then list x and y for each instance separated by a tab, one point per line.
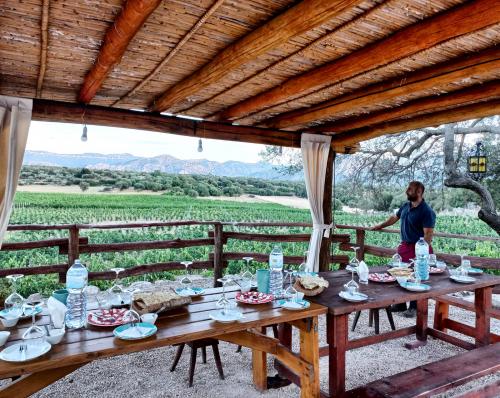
164	163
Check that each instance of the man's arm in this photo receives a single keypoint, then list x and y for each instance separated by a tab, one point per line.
391	220
428	232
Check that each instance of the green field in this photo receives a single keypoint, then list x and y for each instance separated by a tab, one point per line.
37	208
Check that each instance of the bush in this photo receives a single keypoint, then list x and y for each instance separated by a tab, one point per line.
382	201
84	186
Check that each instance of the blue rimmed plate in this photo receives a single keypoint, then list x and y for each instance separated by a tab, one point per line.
294	305
415	287
475	271
304	273
192	291
228	316
353	298
140	330
27	312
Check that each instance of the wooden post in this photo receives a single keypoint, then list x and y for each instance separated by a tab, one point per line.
337	338
218	253
73	249
324	253
360	242
482	302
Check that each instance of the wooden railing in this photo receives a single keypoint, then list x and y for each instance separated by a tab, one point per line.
74	245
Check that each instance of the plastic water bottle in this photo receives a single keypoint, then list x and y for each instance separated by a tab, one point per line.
276	272
76	282
422	259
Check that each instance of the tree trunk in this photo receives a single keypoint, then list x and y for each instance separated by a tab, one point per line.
454	179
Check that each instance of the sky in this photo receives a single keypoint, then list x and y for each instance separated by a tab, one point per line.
65	138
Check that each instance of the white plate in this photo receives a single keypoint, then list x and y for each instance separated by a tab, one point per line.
294	305
192	292
12	353
353	298
413	287
462	279
403	265
141	330
229	317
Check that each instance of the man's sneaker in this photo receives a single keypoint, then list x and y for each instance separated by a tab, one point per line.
398	307
410	313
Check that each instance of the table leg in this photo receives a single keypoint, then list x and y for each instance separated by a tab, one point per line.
483	307
441	313
337	337
422	319
309	351
259	367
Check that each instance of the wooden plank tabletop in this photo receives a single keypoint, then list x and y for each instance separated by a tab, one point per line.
181	325
384	294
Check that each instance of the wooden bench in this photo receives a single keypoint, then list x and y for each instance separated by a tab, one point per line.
442	322
434	378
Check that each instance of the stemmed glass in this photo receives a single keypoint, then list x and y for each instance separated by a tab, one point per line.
117	290
14	303
34	334
186	281
224	302
396	260
303	265
246	276
290	292
464	265
352	287
354	262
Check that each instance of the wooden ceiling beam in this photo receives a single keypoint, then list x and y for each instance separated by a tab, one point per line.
460	20
458	114
118	36
432	84
478	93
44	34
173	52
296	117
297	20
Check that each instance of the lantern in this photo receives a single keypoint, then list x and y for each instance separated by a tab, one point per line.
477	163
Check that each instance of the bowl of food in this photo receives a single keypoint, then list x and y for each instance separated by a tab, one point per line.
310	285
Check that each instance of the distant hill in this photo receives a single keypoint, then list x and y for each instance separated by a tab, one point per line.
164	163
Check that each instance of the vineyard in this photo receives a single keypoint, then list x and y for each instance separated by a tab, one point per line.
35	208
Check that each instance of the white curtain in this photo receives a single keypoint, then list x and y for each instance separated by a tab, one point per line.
315	150
15	119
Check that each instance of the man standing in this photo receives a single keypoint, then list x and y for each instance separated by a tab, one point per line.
417	220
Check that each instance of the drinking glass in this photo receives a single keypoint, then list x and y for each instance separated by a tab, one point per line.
224	302
303	265
352	287
186	281
246	276
34	334
14	302
353	262
465	264
131	316
432	260
396	260
290	291
116	290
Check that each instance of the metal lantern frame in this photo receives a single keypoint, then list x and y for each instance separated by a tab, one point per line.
477	162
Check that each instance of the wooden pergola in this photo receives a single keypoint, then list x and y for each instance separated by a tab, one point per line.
258	71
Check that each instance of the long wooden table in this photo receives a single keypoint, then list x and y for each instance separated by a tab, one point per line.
382	295
181	325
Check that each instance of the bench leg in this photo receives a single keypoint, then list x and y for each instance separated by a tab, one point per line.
355	321
376	320
204	354
370	318
483	307
390	318
422	318
441	312
218	362
192	364
177	357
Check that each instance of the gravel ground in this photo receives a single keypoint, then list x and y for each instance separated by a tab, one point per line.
147	374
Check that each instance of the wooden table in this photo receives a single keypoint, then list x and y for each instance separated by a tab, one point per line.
382	295
181	325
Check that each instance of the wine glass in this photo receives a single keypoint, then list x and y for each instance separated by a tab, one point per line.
353	262
224	302
246	276
396	260
117	290
131	316
290	292
34	334
303	265
186	281
352	287
14	302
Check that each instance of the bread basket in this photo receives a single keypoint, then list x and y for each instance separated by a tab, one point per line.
308	292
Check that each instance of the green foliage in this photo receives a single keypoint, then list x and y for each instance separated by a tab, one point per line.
84	186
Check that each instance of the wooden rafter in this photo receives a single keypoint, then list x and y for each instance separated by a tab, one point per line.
288	119
174	51
433	84
463	19
44	32
116	40
64	112
301	18
478	93
458	114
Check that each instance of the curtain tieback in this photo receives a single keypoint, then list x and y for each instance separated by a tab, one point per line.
324	227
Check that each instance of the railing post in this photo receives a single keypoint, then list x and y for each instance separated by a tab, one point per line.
218	252
360	242
73	249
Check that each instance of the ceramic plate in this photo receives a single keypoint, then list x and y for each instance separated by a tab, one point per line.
475	271
299	274
106	318
294	305
116	302
381	277
13	354
254	298
462	278
229	317
403	265
354	298
141	330
412	286
193	291
26	313
435	270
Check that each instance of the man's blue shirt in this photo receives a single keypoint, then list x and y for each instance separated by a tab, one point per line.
414	220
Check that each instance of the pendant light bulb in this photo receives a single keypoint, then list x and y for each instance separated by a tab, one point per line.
200	145
84	134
